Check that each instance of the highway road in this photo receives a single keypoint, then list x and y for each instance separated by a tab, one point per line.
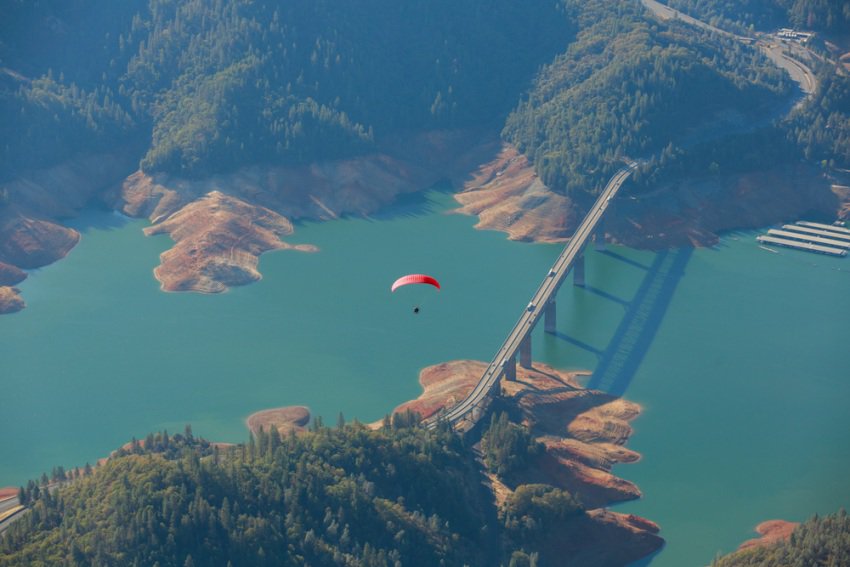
10	510
531	315
776	50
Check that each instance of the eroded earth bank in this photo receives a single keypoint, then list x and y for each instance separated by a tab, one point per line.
583	433
220	225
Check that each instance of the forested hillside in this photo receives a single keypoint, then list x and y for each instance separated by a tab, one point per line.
344	496
819	541
822	127
215	85
195	88
631	87
749	15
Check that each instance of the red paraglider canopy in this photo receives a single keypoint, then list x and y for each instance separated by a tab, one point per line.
415	279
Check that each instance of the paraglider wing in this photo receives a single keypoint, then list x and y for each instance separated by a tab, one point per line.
415	279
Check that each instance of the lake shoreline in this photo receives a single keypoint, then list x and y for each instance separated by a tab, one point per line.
583	432
221	225
770	532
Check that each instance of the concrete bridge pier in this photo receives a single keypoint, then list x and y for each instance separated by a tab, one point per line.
510	369
578	270
599	236
549	324
476	414
525	351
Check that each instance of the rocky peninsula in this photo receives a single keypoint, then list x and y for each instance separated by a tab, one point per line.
35	206
770	532
506	194
583	433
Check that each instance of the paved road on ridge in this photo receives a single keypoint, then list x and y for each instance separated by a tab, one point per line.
774	50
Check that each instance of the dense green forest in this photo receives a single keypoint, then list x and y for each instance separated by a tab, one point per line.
215	85
820	541
341	496
821	128
194	88
349	496
507	446
748	15
631	87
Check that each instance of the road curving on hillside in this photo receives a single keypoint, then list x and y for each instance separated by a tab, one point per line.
775	50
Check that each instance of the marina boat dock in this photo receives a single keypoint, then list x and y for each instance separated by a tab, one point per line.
810	237
805	237
817	232
830	227
800	245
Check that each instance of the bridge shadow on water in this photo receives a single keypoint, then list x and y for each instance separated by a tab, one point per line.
631	341
606	295
580	344
625	259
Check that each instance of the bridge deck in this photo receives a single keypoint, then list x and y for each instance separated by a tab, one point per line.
531	315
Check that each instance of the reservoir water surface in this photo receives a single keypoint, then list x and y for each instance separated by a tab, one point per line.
737	354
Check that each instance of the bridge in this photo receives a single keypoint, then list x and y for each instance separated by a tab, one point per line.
466	414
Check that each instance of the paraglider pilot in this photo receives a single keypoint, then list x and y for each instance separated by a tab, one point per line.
415	279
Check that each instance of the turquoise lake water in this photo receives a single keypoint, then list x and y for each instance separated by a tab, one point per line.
737	354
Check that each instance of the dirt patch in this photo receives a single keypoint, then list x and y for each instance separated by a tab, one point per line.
222	223
506	195
443	386
218	242
770	532
8	492
10	300
285	419
30	235
583	432
27	242
11	275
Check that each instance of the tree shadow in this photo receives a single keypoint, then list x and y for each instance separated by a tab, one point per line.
97	218
646	561
414	204
644	314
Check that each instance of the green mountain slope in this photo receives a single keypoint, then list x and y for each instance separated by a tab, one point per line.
819	541
216	85
629	87
345	496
